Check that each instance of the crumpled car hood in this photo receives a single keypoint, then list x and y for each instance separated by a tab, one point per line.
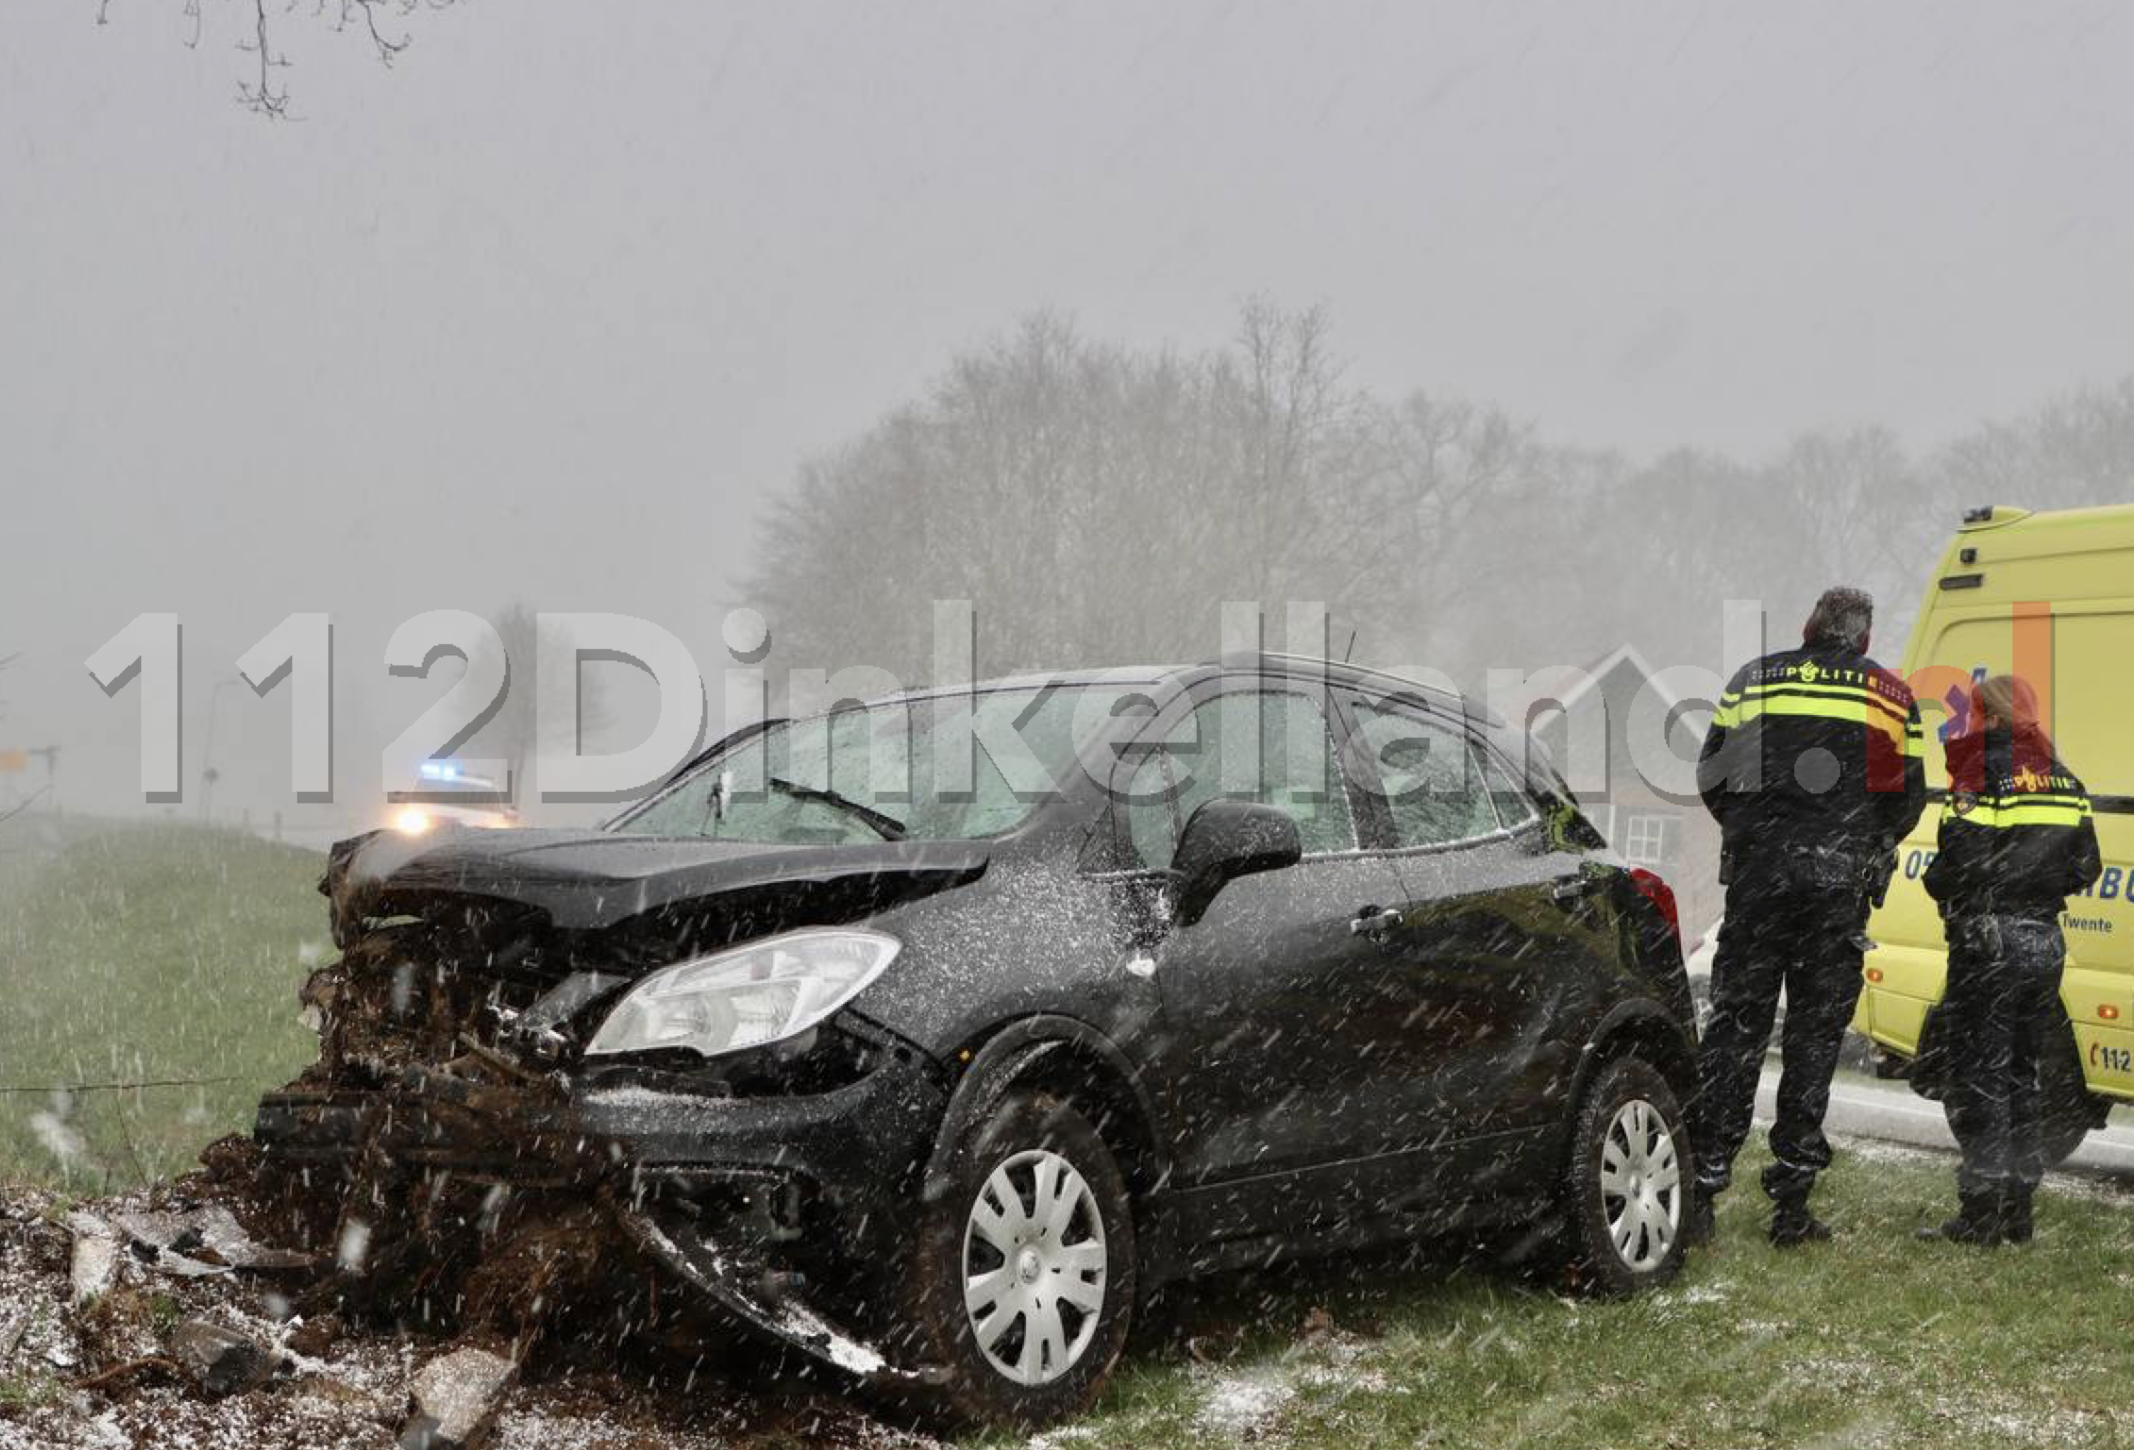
589	879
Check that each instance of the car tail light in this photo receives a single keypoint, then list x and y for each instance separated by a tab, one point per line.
1662	896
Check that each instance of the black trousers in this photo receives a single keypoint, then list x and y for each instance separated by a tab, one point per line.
1802	936
2004	978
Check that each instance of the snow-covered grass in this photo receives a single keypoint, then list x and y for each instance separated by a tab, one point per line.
1874	1340
144	951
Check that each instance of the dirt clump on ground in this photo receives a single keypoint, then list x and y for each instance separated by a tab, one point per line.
184	1348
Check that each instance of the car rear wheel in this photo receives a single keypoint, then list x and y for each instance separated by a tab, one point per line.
1627	1188
1022	1285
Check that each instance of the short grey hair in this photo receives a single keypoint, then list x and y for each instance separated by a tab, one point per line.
1844	615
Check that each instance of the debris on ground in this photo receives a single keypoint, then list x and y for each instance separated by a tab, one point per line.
154	1355
456	1398
95	1264
220	1361
204	1241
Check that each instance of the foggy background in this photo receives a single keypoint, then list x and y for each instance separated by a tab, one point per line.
1514	336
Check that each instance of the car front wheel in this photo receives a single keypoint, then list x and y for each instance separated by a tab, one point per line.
1022	1286
1627	1188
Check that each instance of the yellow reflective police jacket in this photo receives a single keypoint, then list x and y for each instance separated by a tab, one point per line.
2016	836
1818	746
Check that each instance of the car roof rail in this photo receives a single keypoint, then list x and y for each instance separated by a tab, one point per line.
1472	708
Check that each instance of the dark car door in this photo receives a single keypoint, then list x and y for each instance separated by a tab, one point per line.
1501	942
1267	1056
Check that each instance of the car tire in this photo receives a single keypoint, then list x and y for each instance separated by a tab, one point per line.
1626	1190
1019	1310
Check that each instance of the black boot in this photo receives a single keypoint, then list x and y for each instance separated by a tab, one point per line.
2016	1225
1977	1222
1793	1225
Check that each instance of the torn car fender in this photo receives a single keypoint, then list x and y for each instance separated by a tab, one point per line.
745	1291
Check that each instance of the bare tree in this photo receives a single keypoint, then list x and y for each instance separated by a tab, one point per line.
382	24
1099	503
2075	451
1865	519
1094	502
1419	550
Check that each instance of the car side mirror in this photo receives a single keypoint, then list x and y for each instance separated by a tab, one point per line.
1224	840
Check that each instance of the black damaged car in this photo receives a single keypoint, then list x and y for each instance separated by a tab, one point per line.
933	1035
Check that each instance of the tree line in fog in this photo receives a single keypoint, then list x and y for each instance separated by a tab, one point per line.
1098	502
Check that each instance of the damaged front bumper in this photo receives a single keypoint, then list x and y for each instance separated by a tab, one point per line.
782	1212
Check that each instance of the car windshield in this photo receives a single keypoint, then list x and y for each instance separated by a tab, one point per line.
941	768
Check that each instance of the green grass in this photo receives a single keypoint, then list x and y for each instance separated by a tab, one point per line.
145	951
1871	1340
28	1392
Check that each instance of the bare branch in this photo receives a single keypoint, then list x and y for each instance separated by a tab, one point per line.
116	1087
387	49
263	98
105	1379
261	92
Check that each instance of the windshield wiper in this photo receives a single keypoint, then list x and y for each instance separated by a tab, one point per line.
889	828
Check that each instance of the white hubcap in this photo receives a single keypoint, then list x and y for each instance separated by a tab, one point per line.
1033	1267
1641	1186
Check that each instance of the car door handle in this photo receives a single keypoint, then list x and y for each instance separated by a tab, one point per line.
1576	889
1375	922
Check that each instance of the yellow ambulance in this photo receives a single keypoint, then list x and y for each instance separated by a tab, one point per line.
2050	597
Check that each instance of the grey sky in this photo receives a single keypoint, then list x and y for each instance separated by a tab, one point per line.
550	308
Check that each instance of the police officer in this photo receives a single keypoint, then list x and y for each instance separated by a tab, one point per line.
2016	840
1813	770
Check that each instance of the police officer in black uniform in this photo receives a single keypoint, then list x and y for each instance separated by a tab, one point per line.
1813	770
2016	840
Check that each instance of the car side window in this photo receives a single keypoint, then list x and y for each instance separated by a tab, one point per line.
1151	822
1434	788
1515	807
1294	770
1301	775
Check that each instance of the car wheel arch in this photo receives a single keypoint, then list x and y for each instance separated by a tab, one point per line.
1076	1063
1645	1028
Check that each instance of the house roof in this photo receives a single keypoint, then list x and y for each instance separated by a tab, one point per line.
1605	666
1540	686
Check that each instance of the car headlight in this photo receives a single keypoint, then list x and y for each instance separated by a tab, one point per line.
764	992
